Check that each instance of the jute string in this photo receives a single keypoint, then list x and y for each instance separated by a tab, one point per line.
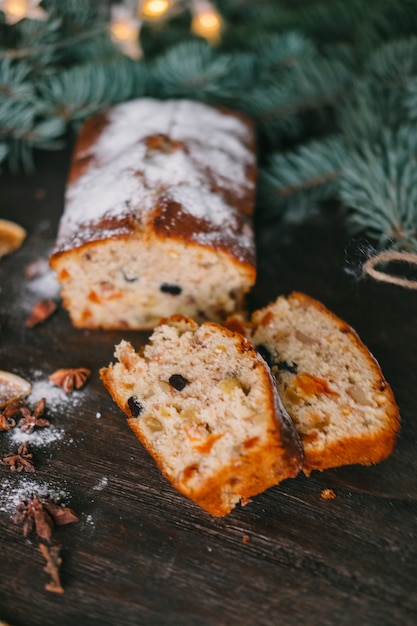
383	276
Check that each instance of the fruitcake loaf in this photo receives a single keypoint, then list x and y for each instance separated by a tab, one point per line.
158	216
204	404
329	382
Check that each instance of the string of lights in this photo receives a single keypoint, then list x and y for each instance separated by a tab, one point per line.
124	24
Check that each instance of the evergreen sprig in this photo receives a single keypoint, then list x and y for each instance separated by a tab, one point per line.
331	86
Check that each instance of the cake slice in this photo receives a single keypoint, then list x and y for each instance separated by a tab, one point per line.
329	382
158	216
204	404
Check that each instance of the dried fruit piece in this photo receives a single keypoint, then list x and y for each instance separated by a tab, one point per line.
228	385
153	424
174	290
178	381
11	237
311	385
12	388
135	406
328	494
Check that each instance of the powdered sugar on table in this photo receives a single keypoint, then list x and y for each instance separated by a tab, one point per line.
12	494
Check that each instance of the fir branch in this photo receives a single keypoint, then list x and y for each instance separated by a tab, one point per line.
37	49
85	89
15	81
379	185
312	85
35	42
191	69
276	52
294	181
3	153
394	62
410	99
23	131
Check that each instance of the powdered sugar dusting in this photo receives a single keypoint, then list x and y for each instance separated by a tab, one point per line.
44	286
12	494
201	202
207	163
56	398
102	483
39	438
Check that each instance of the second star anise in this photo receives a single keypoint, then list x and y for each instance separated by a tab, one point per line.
42	516
70	378
20	462
33	419
6	423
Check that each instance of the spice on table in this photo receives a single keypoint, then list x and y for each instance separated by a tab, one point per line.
20	462
12	236
70	378
53	563
6	423
41	516
12	388
33	419
40	312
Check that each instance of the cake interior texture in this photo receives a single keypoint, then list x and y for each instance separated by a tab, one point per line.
329	382
203	402
158	215
133	283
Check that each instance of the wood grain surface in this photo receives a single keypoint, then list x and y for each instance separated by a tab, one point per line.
141	554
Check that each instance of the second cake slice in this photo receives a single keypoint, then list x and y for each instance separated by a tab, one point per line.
331	385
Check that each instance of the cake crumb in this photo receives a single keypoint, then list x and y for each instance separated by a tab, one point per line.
328	494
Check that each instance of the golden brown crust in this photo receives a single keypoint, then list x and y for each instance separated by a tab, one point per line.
367	446
174	180
251	474
167	219
258	464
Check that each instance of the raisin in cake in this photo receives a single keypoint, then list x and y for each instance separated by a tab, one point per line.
158	216
203	402
329	382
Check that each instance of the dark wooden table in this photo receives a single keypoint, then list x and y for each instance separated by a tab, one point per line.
143	554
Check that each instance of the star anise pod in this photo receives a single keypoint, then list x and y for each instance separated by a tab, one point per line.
40	312
7	415
20	462
42	516
53	563
6	423
70	379
13	409
33	419
32	515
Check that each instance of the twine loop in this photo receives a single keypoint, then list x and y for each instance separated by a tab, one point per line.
370	265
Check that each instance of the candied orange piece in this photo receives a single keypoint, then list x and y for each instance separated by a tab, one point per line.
312	385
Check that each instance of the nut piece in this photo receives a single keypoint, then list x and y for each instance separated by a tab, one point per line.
12	388
228	385
11	237
359	396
